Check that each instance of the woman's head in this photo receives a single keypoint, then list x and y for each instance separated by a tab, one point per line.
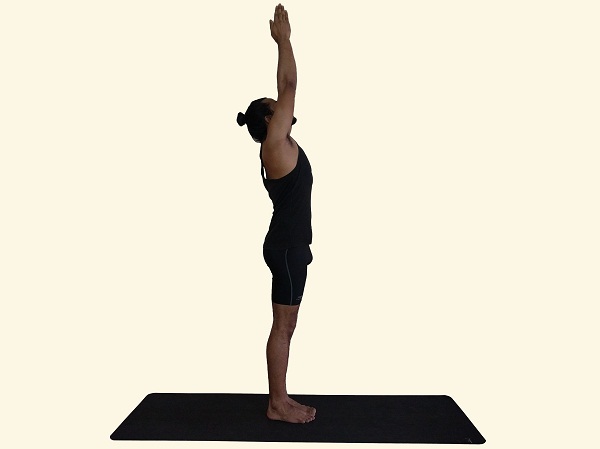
257	118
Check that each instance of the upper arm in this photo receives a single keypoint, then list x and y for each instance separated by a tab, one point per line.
281	122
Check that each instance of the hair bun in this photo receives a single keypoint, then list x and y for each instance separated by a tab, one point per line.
241	119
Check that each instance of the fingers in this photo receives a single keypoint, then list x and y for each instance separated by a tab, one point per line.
280	13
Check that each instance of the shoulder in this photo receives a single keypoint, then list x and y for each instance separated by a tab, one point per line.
279	157
280	150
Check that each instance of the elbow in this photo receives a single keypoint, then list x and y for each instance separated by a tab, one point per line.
289	84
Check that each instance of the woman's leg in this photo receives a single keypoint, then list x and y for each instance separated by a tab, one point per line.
289	276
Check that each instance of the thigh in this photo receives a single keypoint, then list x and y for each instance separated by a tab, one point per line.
289	269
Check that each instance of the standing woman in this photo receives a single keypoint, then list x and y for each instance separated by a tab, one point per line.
287	176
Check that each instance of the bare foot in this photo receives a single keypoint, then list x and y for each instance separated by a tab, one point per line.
310	410
284	411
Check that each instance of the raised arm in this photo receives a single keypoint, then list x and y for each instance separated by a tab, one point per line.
281	31
281	121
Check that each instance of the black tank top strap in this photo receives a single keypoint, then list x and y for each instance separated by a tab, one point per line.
262	167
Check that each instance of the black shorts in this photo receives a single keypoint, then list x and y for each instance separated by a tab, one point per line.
289	269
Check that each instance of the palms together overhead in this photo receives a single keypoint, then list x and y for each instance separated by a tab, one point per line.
280	25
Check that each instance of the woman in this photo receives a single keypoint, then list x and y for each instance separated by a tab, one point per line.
287	176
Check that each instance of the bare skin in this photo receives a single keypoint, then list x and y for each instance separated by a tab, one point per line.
280	155
286	155
281	406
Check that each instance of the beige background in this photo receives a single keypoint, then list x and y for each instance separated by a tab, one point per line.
454	148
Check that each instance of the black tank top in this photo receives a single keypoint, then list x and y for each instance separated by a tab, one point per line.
291	221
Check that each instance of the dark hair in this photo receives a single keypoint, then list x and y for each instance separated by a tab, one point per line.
255	119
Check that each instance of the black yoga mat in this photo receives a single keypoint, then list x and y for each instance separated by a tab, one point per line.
340	419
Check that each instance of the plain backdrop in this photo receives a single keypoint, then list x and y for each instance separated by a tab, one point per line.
454	148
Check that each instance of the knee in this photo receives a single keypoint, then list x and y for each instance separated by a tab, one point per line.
285	327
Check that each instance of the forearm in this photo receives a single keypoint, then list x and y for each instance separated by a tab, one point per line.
286	66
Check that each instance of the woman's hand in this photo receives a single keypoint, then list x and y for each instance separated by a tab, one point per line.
280	27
